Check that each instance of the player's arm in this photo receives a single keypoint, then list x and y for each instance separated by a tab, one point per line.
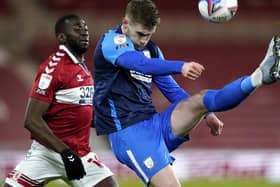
39	129
170	88
134	60
123	54
35	123
215	124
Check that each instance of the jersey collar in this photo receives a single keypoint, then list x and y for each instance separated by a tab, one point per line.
73	58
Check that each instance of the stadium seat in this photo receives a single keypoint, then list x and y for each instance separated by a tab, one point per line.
13	99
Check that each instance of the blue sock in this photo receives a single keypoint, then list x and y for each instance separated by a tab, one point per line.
229	96
246	85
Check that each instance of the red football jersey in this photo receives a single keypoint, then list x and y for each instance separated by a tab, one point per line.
67	85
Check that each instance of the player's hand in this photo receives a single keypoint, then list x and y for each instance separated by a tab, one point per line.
192	70
73	165
215	125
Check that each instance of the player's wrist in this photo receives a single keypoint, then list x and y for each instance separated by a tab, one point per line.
73	164
208	114
69	156
66	151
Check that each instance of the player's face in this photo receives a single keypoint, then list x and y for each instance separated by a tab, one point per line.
139	34
77	36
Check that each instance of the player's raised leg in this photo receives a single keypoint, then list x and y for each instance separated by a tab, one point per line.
190	111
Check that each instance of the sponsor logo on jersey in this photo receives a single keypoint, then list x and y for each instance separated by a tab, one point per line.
71	158
45	81
41	92
149	163
141	76
79	78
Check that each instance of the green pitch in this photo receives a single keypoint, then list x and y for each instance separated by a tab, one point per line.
192	183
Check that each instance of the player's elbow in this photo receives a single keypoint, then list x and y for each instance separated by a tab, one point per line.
27	123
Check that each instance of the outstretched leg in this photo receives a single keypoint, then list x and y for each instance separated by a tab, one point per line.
234	93
190	111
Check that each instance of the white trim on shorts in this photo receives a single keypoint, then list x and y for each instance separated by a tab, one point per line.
137	166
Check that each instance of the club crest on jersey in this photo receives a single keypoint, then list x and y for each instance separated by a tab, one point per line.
149	163
45	81
120	41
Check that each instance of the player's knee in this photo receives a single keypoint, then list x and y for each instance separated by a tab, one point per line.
197	100
202	93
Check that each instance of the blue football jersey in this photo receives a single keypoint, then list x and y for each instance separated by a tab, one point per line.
122	97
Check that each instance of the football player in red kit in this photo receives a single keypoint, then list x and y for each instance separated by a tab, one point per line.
59	116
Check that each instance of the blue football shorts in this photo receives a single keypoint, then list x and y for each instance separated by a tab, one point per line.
145	146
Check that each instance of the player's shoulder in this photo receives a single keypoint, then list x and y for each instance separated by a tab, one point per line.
114	38
54	62
111	33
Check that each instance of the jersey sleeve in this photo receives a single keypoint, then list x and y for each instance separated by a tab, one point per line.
45	84
170	88
115	44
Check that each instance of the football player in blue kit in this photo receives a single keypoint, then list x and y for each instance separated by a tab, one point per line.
126	62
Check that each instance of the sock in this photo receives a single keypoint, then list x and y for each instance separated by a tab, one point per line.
256	77
229	96
247	85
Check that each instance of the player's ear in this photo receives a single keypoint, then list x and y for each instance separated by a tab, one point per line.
125	23
61	38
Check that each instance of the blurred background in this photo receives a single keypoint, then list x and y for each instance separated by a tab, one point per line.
249	145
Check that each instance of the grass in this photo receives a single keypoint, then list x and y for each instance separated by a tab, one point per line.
193	183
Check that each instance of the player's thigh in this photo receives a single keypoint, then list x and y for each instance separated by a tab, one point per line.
39	165
165	178
187	114
96	172
171	140
142	148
